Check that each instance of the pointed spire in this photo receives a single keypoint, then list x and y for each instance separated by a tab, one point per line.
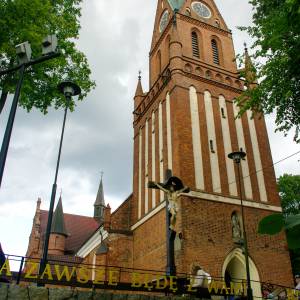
139	88
100	194
250	72
99	204
58	223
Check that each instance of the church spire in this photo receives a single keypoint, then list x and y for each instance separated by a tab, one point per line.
139	89
99	204
58	223
250	72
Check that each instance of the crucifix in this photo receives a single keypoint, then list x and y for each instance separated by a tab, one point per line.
172	189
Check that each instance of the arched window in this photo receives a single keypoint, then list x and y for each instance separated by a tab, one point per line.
215	51
159	62
168	48
195	45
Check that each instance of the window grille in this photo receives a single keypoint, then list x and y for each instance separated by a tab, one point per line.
215	51
195	45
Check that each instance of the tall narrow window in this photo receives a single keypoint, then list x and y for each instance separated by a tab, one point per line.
215	51
195	45
159	62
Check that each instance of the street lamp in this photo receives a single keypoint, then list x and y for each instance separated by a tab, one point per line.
69	89
237	157
23	52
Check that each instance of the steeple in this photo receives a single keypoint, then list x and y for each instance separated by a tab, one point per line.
99	204
58	223
249	70
139	88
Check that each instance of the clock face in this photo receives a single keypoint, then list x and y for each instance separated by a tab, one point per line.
164	21
201	9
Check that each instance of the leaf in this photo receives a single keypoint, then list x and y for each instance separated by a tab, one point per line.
32	20
292	222
293	238
271	224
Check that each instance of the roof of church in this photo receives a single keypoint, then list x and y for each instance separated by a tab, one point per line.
78	228
58	222
100	195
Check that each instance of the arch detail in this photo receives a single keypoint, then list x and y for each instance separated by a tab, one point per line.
235	263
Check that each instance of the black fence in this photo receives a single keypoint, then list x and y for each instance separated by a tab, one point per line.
74	273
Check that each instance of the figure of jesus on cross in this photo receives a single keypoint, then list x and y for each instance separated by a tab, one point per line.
172	189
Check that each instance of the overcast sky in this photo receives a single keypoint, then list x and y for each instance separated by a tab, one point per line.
116	37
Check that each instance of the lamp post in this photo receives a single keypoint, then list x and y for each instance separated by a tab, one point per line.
23	52
69	89
237	157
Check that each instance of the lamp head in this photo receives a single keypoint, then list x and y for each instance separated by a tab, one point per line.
49	44
23	52
69	88
237	156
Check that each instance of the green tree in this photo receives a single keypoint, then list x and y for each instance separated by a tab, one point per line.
289	220
289	191
276	34
32	20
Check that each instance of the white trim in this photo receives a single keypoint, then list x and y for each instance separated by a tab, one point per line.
140	175
229	200
146	167
169	133
150	215
153	160
257	159
92	243
161	148
196	139
211	133
227	147
210	197
94	267
244	163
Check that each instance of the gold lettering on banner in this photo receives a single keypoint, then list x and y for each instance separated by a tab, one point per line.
82	275
33	270
99	276
161	287
213	286
64	273
292	294
190	286
136	280
5	267
47	271
173	284
147	282
112	279
236	288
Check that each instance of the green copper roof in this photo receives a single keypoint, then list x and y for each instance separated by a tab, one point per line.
176	4
58	222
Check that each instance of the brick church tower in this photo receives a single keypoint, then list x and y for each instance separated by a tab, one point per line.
186	123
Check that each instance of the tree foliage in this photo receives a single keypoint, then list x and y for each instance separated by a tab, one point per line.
276	34
289	191
32	20
289	219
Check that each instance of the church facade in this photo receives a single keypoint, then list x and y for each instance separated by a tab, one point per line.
187	123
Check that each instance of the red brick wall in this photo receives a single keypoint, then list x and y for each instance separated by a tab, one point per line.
207	239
